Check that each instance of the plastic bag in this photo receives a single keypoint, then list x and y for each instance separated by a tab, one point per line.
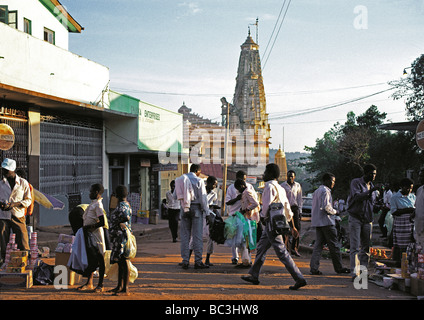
235	231
43	273
112	273
230	227
216	230
252	237
130	246
388	222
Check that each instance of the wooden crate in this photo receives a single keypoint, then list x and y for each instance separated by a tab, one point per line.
16	280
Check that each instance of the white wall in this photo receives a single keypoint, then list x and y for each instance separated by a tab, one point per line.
40	17
36	65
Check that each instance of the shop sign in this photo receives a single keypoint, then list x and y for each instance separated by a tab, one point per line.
7	137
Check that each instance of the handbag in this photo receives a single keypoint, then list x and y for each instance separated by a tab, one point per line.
278	221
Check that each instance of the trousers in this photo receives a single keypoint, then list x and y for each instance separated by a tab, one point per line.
18	227
267	241
173	217
360	239
192	227
326	235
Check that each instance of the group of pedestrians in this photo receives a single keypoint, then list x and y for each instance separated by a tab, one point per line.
197	202
189	199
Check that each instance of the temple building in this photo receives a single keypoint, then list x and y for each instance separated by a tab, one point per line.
248	110
249	130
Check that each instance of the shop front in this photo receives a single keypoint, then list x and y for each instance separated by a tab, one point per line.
144	153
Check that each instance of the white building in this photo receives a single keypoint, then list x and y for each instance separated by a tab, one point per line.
70	130
44	90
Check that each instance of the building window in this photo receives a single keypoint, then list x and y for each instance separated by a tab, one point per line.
49	35
13	19
27	26
4	14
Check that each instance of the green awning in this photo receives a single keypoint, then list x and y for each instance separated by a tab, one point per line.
60	13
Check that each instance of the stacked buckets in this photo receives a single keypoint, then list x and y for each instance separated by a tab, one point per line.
11	246
33	248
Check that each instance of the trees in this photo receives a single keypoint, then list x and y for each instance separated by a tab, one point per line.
344	150
411	89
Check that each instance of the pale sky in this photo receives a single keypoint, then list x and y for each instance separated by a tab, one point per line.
322	56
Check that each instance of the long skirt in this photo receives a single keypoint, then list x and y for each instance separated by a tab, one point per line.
402	231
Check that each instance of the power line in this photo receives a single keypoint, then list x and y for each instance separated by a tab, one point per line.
324	121
326	107
275	26
324	90
226	94
285	13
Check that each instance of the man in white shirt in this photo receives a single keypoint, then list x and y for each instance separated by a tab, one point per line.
294	194
192	220
323	220
273	192
15	196
233	201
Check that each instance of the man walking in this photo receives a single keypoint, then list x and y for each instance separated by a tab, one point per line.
294	194
273	192
15	195
192	220
360	209
323	220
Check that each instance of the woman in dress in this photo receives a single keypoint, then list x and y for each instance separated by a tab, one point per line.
120	220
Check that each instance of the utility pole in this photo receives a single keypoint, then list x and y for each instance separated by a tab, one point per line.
224	175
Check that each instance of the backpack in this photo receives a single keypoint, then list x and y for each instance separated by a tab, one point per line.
278	223
277	220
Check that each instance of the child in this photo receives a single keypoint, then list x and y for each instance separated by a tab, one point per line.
93	222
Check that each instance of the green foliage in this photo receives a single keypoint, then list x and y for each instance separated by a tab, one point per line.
411	88
346	148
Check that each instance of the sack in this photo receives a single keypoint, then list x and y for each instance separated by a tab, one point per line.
131	246
112	273
278	223
216	230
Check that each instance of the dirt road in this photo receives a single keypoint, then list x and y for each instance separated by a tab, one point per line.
160	278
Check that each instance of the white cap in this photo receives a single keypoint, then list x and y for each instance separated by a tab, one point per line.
9	164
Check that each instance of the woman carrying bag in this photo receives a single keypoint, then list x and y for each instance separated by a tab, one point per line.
120	234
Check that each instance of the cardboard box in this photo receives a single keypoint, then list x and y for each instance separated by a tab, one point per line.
18	253
417	287
16	280
62	258
15	269
18	262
